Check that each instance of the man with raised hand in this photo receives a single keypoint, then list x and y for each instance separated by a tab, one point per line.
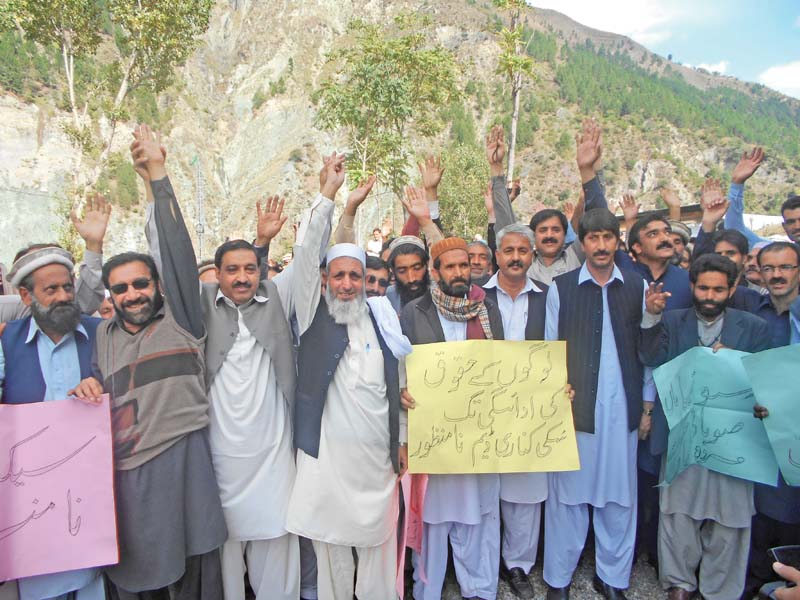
704	521
89	293
549	226
597	309
350	439
150	358
462	510
522	305
42	358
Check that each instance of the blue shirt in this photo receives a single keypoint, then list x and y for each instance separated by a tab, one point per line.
674	279
781	503
734	218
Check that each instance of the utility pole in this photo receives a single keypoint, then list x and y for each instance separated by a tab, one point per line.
200	196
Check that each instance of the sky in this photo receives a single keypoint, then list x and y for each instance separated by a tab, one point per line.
753	41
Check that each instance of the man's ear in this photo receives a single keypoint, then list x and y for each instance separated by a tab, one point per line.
435	274
26	296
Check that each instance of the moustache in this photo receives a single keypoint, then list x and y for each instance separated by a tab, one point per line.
601	253
143	301
665	244
458	280
549	240
515	263
751	268
776	280
244	285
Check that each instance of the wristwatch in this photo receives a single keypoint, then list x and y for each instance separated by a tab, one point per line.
648	412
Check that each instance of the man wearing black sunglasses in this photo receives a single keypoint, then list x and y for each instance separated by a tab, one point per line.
377	277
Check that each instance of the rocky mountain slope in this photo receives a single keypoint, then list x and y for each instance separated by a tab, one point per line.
242	119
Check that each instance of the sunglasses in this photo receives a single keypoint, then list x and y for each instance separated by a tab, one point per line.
381	282
141	283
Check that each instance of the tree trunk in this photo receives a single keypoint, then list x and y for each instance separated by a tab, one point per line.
69	71
515	93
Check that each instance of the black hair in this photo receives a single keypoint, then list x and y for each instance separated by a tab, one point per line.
230	246
408	249
598	219
792	202
777	247
548	213
633	234
734	238
130	257
714	263
376	263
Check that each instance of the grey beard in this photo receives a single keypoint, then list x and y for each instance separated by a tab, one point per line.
345	312
59	318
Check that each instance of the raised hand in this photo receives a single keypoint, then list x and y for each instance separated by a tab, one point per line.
431	171
496	149
516	188
331	177
416	204
655	298
629	207
714	203
148	153
92	227
359	194
670	197
569	210
589	143
488	202
270	219
747	165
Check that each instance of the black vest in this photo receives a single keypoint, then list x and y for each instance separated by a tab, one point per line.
580	323
537	310
321	348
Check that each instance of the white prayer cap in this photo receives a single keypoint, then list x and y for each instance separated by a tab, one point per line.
37	259
346	250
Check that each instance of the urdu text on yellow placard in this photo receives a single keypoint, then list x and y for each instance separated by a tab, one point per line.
486	406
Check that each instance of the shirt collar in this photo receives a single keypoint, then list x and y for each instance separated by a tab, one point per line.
34	329
529	284
585	275
220	296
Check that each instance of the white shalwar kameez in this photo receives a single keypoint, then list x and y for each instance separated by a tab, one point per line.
251	446
606	479
465	510
347	498
521	494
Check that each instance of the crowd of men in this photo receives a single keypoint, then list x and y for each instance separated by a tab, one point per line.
260	415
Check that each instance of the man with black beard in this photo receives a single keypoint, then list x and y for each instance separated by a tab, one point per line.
43	357
150	359
704	521
461	509
409	263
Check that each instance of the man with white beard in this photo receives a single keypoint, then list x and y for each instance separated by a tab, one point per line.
348	430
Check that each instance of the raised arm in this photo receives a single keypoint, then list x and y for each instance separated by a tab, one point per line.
305	276
734	218
91	226
178	269
495	153
345	230
714	207
654	346
588	152
418	207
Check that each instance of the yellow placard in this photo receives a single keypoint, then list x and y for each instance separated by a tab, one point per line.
487	406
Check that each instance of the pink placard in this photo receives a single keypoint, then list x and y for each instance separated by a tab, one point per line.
56	488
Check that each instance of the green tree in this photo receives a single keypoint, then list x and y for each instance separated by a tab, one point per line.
461	190
150	38
386	84
515	64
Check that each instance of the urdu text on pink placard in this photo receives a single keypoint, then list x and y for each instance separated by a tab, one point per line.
56	488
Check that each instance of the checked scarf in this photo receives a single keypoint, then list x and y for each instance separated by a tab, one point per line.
464	309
